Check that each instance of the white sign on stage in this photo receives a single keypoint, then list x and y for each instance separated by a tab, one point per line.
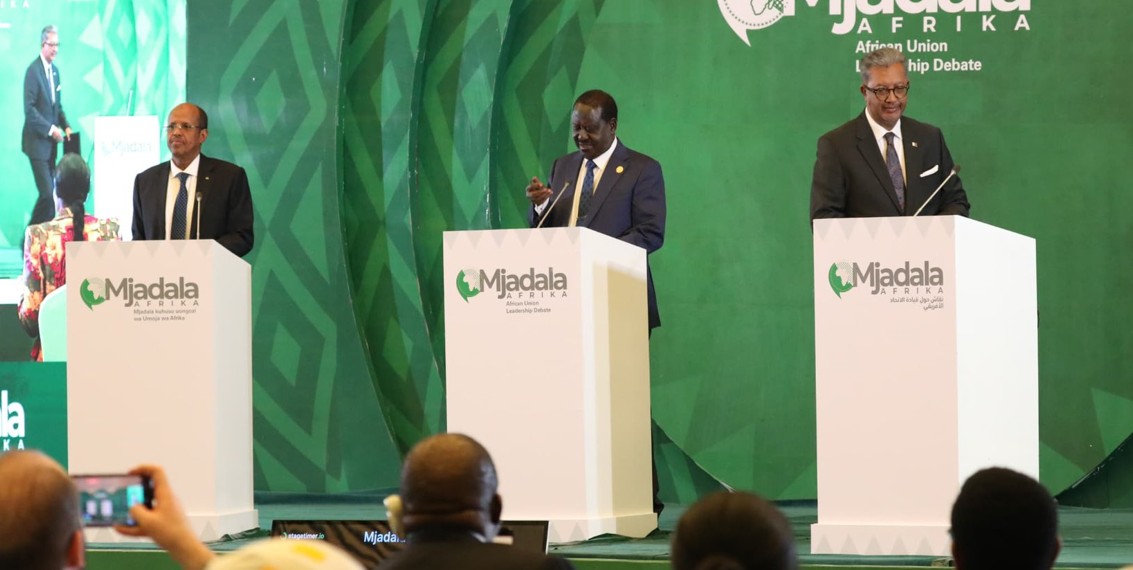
926	366
123	147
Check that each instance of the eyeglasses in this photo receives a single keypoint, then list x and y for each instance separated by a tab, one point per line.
51	44
181	126
883	92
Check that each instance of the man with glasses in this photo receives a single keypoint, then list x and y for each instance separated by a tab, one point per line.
45	124
193	196
882	163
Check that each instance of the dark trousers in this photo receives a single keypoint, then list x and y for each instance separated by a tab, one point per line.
44	172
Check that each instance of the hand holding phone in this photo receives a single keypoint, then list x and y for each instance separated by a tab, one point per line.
165	522
105	500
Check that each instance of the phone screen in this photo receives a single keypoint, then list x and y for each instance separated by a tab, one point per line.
105	500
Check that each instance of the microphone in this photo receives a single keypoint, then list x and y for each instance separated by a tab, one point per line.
197	211
955	169
553	202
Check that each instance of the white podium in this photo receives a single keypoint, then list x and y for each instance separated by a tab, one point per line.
160	371
547	351
926	368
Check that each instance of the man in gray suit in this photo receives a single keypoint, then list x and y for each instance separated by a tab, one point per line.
45	124
882	163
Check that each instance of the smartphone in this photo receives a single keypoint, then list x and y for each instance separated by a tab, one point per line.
105	500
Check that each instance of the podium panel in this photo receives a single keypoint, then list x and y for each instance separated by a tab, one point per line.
546	345
926	366
159	336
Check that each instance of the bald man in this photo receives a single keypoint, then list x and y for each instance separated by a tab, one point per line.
39	514
451	511
733	530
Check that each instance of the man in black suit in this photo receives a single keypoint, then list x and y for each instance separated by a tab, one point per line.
450	511
881	163
625	195
172	198
45	124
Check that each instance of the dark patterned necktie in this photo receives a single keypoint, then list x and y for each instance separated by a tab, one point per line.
893	164
177	228
587	190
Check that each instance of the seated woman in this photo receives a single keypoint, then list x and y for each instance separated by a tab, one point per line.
45	268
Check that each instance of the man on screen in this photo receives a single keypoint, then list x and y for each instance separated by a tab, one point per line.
881	163
193	196
45	124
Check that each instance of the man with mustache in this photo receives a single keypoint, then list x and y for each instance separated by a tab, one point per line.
883	163
606	186
172	198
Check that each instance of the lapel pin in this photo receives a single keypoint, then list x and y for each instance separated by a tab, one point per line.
914	144
620	169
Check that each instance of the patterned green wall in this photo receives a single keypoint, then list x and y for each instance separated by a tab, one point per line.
369	127
269	74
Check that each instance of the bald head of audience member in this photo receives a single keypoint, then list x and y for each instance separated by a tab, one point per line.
1004	519
448	484
733	531
40	526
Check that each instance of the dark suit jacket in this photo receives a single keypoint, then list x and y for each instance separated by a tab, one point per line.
225	204
628	205
851	181
464	552
40	113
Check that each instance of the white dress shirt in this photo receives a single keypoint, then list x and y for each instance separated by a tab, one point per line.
600	161
879	134
173	188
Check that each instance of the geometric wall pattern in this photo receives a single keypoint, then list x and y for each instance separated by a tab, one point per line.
369	127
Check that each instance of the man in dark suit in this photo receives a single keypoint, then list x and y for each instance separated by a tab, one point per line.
881	163
170	199
449	511
605	186
608	188
45	124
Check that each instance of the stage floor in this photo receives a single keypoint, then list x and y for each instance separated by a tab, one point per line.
1092	538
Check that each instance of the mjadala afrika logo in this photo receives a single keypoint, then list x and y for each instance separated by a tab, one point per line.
845	276
160	293
855	15
13	423
532	284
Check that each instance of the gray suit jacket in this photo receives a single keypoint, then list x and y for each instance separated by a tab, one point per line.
851	181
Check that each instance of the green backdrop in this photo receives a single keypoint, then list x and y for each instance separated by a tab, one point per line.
370	126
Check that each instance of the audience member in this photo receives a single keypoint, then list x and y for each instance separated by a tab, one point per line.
39	514
45	244
1004	520
450	511
733	531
